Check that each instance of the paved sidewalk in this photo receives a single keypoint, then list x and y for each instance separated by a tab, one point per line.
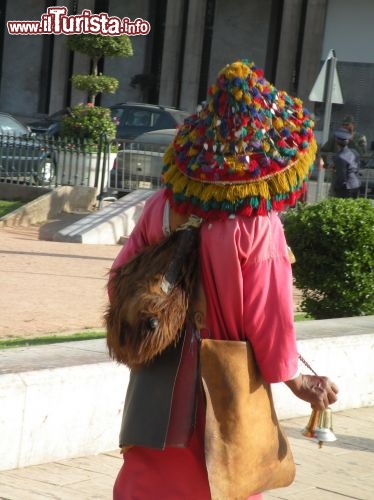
342	469
53	287
50	287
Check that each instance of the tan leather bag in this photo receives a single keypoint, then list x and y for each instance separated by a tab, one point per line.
245	448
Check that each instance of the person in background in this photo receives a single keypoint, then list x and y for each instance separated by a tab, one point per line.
346	167
242	158
357	141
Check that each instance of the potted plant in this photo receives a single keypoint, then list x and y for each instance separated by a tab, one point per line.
89	130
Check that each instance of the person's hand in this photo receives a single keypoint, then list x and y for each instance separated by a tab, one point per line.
320	392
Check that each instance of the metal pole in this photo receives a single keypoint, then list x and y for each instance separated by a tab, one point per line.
98	162
327	118
106	153
328	97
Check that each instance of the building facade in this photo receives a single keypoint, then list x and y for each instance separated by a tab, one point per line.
189	41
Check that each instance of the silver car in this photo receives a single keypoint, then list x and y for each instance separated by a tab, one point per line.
133	119
140	163
24	158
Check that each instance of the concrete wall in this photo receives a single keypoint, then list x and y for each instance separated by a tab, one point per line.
19	192
47	206
66	400
125	68
22	60
21	75
240	32
351	35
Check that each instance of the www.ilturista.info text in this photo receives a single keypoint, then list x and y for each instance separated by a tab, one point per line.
57	22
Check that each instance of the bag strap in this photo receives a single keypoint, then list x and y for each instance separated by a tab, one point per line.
174	221
187	242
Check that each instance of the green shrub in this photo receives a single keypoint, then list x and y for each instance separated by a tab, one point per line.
97	47
87	122
95	84
333	242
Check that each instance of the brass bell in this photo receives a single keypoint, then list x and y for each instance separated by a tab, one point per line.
310	429
324	432
320	427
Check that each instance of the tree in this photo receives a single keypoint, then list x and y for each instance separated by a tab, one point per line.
96	47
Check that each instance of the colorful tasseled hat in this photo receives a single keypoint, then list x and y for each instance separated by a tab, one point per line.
247	150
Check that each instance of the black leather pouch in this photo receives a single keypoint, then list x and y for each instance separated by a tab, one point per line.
160	404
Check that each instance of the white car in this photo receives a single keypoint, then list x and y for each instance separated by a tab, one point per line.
140	163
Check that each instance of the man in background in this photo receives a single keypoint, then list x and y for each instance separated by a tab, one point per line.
357	141
346	181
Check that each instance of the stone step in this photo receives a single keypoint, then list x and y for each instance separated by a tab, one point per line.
109	224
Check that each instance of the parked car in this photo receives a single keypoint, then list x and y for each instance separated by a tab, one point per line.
133	119
50	125
140	163
23	157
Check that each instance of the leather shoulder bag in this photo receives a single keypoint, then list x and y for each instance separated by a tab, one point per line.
246	450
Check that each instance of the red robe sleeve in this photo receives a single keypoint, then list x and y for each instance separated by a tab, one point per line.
247	278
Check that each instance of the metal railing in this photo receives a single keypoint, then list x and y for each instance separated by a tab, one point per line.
367	176
49	162
136	166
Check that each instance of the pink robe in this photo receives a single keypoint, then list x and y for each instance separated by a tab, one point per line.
247	279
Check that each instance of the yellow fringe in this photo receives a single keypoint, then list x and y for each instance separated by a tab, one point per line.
281	182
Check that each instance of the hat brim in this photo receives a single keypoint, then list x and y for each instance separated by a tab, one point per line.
220	199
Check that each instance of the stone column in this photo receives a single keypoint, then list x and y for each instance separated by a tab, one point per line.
288	45
60	67
81	62
310	63
192	54
169	81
